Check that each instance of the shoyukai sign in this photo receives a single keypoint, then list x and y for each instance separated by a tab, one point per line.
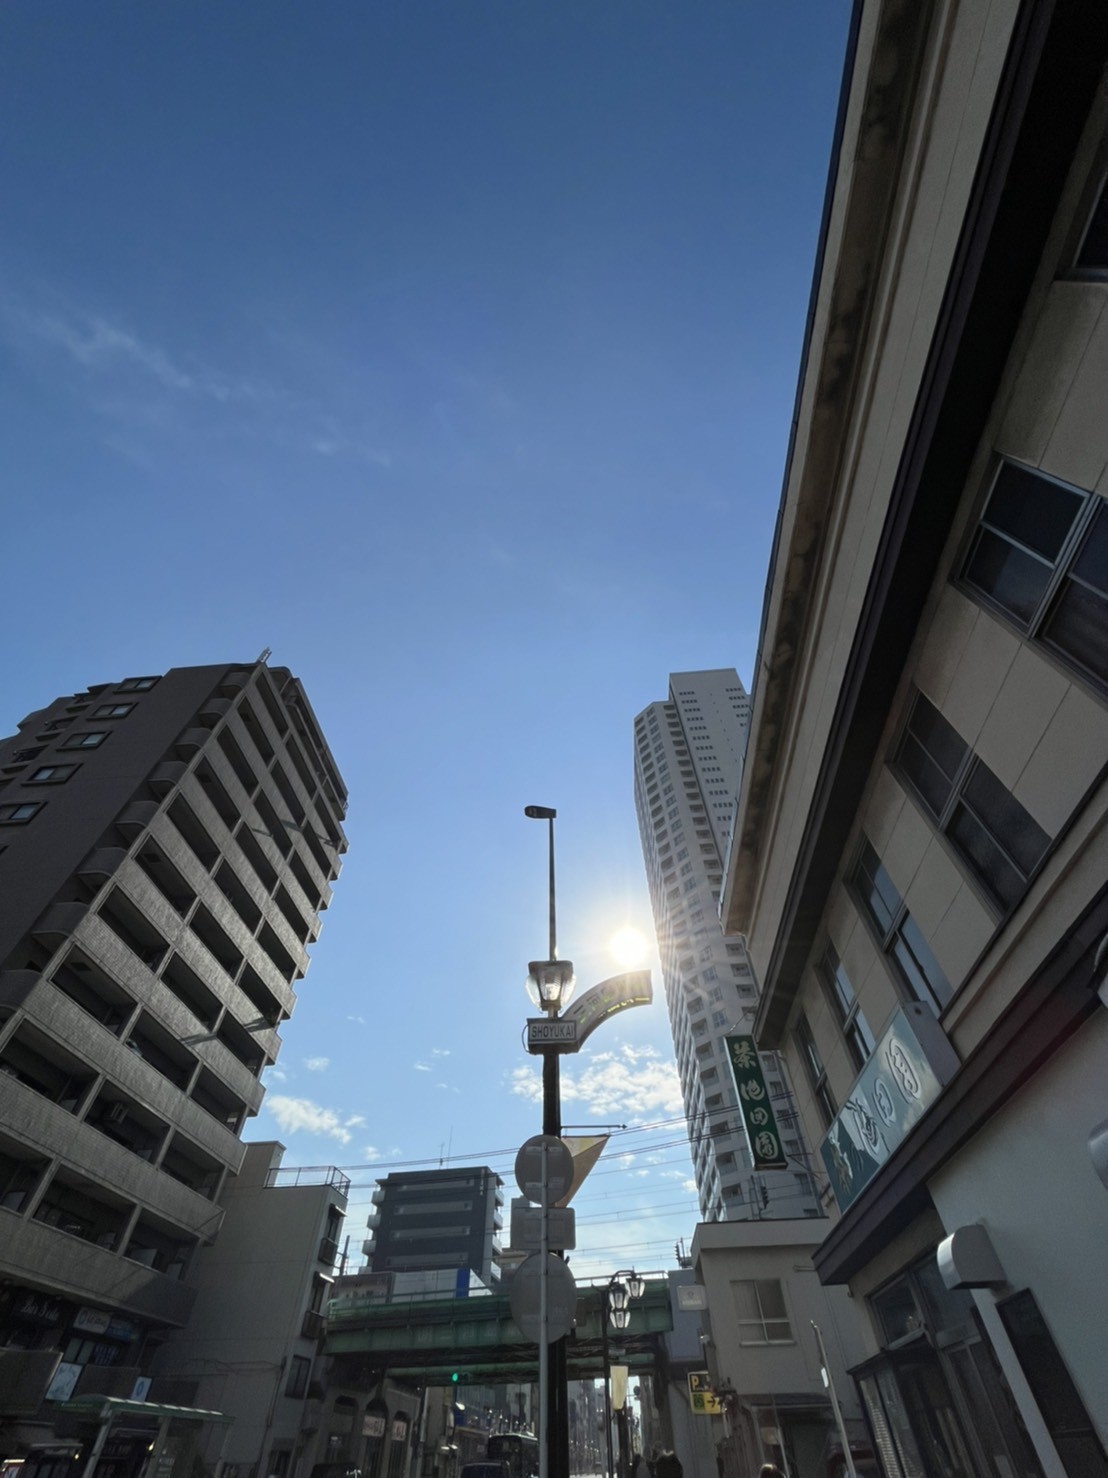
758	1117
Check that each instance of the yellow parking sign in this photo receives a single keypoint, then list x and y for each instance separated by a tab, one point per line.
702	1398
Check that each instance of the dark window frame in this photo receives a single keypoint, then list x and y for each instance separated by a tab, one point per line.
137	684
1062	584
815	1070
9	814
47	775
112	710
837	985
898	935
983	822
81	741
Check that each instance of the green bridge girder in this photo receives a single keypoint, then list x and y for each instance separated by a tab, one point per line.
477	1337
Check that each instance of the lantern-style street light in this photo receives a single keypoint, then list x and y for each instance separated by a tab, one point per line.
623	1288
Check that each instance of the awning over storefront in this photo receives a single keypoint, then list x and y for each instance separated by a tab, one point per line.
108	1407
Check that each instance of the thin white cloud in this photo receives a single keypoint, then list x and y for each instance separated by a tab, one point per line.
96	344
630	1083
689	1185
421	1067
302	1115
358	1020
371	1152
317	1064
440	1051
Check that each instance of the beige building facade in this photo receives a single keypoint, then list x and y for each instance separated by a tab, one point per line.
920	854
764	1306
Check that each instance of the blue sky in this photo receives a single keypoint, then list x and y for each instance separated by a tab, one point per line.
448	348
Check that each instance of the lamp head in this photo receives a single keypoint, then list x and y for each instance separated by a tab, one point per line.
636	1286
620	1318
551	983
540	813
617	1299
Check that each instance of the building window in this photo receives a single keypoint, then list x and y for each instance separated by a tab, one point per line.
897	932
19	814
136	684
760	1309
817	1073
299	1369
859	1038
90	740
112	710
1040	557
1000	842
52	774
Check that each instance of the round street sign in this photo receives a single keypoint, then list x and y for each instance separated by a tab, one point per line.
559	1169
525	1294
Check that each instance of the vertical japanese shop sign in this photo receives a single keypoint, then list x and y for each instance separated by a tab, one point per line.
758	1117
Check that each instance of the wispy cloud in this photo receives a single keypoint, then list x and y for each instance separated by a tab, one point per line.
627	1084
317	1064
146	391
440	1051
97	344
357	1020
302	1115
421	1067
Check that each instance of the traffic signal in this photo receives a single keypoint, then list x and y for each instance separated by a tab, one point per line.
454	1378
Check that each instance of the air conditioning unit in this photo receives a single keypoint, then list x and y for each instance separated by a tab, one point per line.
117	1113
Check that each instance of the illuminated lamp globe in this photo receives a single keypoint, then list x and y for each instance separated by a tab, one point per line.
620	1318
636	1286
551	983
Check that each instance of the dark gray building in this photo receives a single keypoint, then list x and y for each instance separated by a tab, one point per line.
435	1220
167	844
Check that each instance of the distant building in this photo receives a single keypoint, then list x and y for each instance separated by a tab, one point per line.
167	844
761	1353
250	1347
430	1220
688	763
921	849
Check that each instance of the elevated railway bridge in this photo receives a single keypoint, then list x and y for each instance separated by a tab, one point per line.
428	1340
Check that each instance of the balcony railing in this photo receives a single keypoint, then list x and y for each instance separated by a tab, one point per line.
310	1175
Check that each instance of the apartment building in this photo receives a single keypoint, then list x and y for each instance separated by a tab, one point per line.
438	1220
921	847
167	844
688	763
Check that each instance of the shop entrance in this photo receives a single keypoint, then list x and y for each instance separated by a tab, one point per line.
936	1398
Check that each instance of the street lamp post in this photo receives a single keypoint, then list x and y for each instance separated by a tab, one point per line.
615	1300
551	983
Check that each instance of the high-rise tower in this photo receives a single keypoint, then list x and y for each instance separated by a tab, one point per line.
688	764
166	846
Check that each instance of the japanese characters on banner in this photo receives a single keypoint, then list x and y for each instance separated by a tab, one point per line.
758	1116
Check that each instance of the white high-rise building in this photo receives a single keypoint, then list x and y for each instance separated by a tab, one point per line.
688	764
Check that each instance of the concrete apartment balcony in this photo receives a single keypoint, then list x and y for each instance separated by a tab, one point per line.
59	921
95	1044
134	819
58	1134
102	864
189	744
69	1267
213	709
167	776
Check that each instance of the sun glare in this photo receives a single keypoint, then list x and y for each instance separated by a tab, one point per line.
629	947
